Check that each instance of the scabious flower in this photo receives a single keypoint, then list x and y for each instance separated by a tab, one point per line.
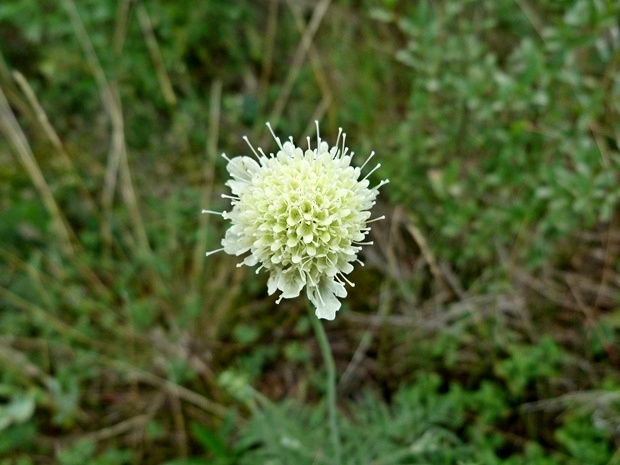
302	215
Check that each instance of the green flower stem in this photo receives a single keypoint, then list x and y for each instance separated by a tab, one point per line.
331	382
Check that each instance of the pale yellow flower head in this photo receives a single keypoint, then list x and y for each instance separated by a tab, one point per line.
302	215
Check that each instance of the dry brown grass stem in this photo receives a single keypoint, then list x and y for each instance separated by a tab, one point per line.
156	57
43	120
11	92
386	301
417	235
62	228
119	163
122	19
589	313
16	360
297	62
16	137
317	69
428	321
533	17
270	40
179	421
608	271
52	136
135	374
198	260
49	319
317	115
137	422
587	400
117	157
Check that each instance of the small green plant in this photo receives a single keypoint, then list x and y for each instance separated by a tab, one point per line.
424	423
528	364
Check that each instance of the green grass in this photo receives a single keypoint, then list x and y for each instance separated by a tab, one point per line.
484	328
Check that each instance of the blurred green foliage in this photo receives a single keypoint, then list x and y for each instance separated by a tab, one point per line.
509	135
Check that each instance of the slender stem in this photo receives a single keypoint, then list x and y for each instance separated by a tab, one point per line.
331	382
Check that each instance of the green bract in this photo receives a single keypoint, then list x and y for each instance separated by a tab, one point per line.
302	215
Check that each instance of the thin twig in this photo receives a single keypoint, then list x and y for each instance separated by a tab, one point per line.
270	40
383	311
317	69
119	428
209	168
52	136
158	62
298	58
172	388
117	159
17	138
38	313
430	258
120	31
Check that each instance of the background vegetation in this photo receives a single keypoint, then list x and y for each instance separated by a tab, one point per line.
484	328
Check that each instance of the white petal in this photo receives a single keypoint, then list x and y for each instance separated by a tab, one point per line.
242	167
325	298
290	282
233	244
345	267
238	187
272	282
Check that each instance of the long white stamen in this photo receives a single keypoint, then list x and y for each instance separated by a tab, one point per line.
372	154
213	212
318	136
345	279
247	141
372	171
214	251
277	139
338	138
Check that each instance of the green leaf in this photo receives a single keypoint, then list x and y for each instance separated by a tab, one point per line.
19	410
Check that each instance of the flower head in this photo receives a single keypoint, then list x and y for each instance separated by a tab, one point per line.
302	215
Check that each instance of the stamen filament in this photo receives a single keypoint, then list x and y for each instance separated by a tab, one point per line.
214	251
277	139
372	154
247	141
